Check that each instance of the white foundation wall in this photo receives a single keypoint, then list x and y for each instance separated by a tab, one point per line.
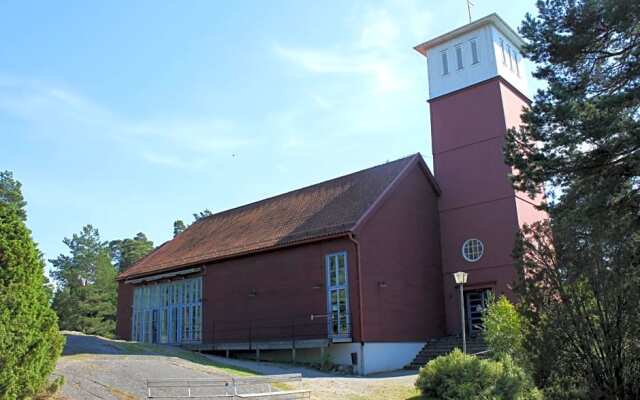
389	356
373	356
340	353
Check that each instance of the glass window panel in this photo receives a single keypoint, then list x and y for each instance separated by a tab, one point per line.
510	58
459	56
445	63
332	270
163	333
174	326
167	312
474	52
186	324
342	270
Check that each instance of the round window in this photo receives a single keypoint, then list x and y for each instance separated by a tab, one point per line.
472	250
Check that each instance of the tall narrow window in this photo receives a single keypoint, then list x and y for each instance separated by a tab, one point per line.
337	295
474	51
516	61
504	56
459	56
510	57
445	62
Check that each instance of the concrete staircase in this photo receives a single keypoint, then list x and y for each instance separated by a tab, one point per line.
437	347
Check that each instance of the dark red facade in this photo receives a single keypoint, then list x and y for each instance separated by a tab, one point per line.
393	260
266	296
124	309
477	199
400	255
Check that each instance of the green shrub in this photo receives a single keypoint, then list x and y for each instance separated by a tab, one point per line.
29	339
460	376
503	329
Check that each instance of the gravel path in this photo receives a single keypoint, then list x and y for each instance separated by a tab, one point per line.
97	368
94	368
388	385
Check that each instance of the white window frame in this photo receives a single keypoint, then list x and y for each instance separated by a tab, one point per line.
170	302
504	55
464	255
338	286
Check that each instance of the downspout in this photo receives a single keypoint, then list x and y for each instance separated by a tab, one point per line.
360	302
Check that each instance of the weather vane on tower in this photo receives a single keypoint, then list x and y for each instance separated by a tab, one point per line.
469	5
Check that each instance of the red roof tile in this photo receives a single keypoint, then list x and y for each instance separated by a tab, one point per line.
325	209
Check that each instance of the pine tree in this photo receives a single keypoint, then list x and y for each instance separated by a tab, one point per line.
11	194
202	214
30	342
127	252
580	271
86	296
178	227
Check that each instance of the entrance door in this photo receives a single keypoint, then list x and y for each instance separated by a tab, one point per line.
338	295
476	302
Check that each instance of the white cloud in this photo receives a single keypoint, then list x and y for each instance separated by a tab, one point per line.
382	78
377	51
177	142
379	31
170	160
373	66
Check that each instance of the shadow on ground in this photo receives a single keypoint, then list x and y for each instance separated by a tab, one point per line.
77	343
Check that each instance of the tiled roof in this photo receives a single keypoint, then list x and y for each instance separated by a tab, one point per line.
325	209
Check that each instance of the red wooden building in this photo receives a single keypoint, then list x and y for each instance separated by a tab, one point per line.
359	267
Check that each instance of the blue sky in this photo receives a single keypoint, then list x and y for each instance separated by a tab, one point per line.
131	114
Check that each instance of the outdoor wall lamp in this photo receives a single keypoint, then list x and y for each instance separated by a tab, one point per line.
382	284
461	279
253	293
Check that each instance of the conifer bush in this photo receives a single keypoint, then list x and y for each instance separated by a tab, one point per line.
30	342
467	377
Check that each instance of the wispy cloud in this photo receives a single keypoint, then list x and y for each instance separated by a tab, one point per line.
170	160
177	142
375	50
325	61
381	73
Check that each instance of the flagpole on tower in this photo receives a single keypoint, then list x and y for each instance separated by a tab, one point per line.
469	5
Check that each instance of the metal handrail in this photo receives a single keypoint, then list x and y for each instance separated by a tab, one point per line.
274	330
231	386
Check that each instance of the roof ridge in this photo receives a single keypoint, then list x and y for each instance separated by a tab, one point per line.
370	183
253	203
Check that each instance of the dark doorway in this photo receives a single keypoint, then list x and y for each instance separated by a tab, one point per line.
476	302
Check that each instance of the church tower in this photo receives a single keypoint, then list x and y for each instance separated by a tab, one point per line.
477	90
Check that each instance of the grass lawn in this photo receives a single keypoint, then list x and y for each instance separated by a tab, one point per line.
390	391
